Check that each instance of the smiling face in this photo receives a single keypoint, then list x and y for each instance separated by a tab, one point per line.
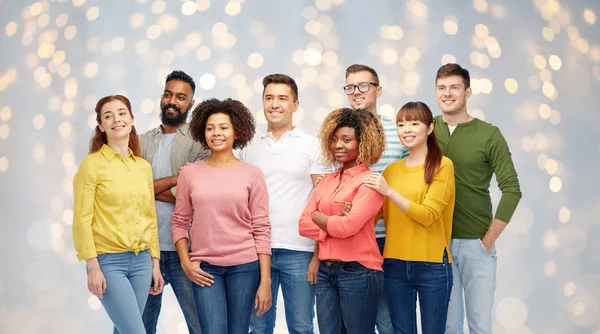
219	133
279	106
367	100
344	146
413	133
115	120
176	101
452	95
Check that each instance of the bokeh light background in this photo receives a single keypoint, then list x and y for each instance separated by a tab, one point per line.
535	67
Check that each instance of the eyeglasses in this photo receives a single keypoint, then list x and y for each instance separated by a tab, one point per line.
363	87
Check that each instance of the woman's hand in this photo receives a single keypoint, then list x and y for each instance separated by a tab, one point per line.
313	269
157	278
96	282
378	183
195	274
263	301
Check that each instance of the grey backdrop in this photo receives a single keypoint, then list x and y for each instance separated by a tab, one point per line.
535	69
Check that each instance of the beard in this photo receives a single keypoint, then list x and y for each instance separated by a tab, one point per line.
172	120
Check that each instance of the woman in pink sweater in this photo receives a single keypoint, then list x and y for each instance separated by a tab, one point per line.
340	215
227	201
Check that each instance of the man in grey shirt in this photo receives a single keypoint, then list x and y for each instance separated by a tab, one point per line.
169	147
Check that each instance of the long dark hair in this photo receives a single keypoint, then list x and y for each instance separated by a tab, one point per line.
419	111
100	139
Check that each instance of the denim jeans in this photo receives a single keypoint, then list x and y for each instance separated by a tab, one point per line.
432	282
347	294
170	267
475	276
289	269
225	306
384	323
128	278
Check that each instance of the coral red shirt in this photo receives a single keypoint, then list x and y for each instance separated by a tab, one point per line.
350	237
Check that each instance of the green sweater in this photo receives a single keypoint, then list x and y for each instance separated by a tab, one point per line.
477	150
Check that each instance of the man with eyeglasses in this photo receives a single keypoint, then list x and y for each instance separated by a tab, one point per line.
363	89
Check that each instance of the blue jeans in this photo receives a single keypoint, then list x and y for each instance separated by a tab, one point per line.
289	268
128	278
475	275
384	323
347	294
170	267
432	282
225	306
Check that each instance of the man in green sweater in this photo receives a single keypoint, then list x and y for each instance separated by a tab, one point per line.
478	150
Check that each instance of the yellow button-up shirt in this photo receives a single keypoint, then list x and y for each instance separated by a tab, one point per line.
114	208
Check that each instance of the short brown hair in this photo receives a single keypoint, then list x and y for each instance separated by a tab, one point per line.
281	79
452	69
367	128
242	120
354	68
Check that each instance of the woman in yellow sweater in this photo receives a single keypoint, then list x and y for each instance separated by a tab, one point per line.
418	210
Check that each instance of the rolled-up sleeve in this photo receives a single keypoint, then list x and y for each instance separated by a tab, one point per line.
84	191
182	215
365	205
259	209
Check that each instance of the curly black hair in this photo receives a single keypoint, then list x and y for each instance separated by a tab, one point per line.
241	120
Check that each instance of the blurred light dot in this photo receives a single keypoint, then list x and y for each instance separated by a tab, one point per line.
564	214
233	8
203	53
238	81
555	117
406	64
330	58
541	160
10	29
539	61
550	268
4	131
94	303
418	9
43	20
486	85
528	144
313	27
335	99
448	58
39	152
481	31
207	81
147	106
61	20
142	47
549	90
551	166
545	111
412	54
64	129
481	6
3	164
310	74
39	121
219	29
46	50
193	40
68	107
255	60
202	5
555	184
312	57
551	241
451	26
395	33
227	41
117	44
511	85
478	113
31	61
387	110
589	16
298	57
583	45
154	31
548	34
70	89
92	44
158	6
136	20
70	32
224	70
91	69
511	312
54	103
5	114
475	86
555	62
67	217
92	121
323	5
545	75
92	13
68	160
389	56
64	69
188	8
412	78
569	289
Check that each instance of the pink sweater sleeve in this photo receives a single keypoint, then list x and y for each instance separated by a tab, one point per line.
259	209
365	205
182	215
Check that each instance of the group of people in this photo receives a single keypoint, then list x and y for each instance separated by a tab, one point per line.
362	221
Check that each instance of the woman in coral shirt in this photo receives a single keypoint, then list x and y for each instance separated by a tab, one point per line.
340	215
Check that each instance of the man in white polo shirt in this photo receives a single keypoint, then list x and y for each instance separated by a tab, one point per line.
291	161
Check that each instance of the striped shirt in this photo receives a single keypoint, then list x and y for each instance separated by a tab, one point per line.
394	151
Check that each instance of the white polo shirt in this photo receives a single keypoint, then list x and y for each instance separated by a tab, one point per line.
287	164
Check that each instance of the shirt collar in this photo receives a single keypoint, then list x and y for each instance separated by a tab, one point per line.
354	170
110	154
184	130
262	131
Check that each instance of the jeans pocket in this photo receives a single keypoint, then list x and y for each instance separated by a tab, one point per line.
353	268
